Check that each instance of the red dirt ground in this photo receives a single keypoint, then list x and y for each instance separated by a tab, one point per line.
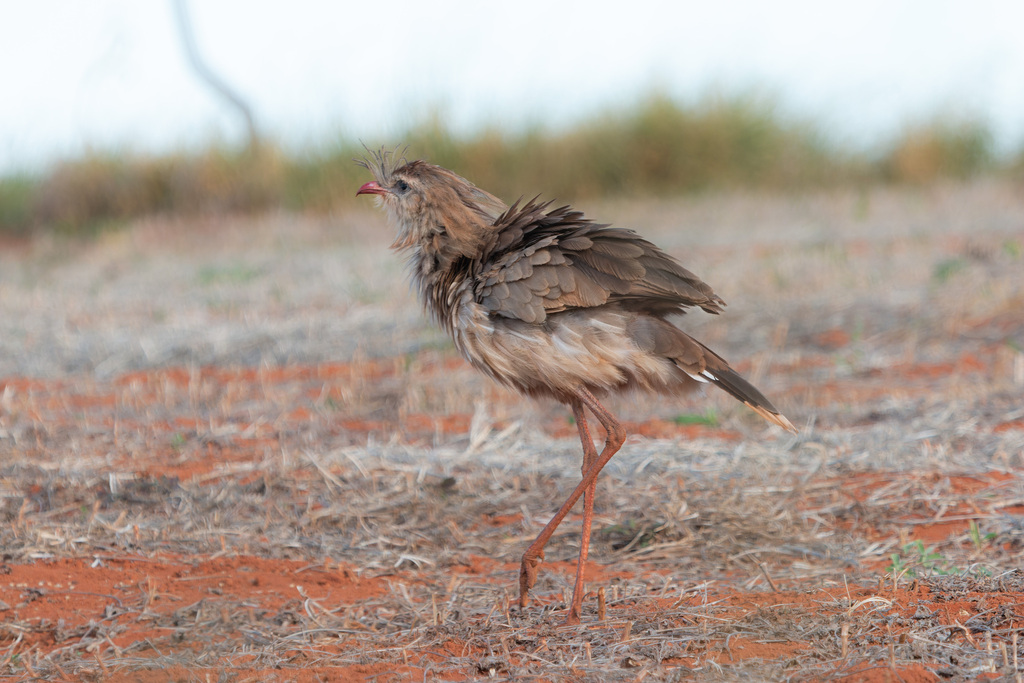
174	511
141	598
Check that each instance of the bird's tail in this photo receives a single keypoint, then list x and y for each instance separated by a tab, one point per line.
727	379
664	339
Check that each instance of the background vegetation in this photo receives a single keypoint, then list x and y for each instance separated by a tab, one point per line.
657	147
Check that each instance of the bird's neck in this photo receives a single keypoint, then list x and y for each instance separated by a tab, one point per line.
441	275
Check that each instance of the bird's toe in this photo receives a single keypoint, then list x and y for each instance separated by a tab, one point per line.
528	575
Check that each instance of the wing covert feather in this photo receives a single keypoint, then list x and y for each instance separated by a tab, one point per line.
543	262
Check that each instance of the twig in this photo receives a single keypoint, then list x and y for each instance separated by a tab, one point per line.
764	570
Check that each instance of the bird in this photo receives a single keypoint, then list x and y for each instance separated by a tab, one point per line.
551	304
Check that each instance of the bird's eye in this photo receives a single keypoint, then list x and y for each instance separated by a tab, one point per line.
401	186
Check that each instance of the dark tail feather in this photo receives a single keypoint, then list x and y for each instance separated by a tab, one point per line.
660	337
739	388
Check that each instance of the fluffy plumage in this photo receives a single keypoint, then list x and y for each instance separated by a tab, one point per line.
552	304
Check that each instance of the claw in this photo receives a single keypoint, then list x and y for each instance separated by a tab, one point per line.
528	576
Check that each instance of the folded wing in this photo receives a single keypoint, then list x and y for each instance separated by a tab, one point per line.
543	262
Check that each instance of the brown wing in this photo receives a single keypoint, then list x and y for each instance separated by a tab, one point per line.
548	261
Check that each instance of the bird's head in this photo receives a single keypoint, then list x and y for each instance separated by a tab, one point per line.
430	207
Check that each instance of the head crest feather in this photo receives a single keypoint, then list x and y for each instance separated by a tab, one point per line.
383	162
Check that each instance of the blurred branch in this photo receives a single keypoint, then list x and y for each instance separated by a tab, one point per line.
205	73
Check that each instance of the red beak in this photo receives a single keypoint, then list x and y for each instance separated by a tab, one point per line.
371	188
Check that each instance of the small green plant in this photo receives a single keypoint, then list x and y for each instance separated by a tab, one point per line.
945	270
916	557
977	538
899	566
232	274
178	441
710	418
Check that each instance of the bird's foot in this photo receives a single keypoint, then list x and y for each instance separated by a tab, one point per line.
528	575
572	618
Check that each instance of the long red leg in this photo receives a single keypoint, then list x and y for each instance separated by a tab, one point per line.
535	553
589	458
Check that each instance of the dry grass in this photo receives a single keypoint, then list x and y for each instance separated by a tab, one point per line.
184	410
711	553
654	147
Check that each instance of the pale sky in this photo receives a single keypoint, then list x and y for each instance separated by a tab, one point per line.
111	74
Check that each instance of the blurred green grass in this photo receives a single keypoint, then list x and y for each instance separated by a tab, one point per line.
657	147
